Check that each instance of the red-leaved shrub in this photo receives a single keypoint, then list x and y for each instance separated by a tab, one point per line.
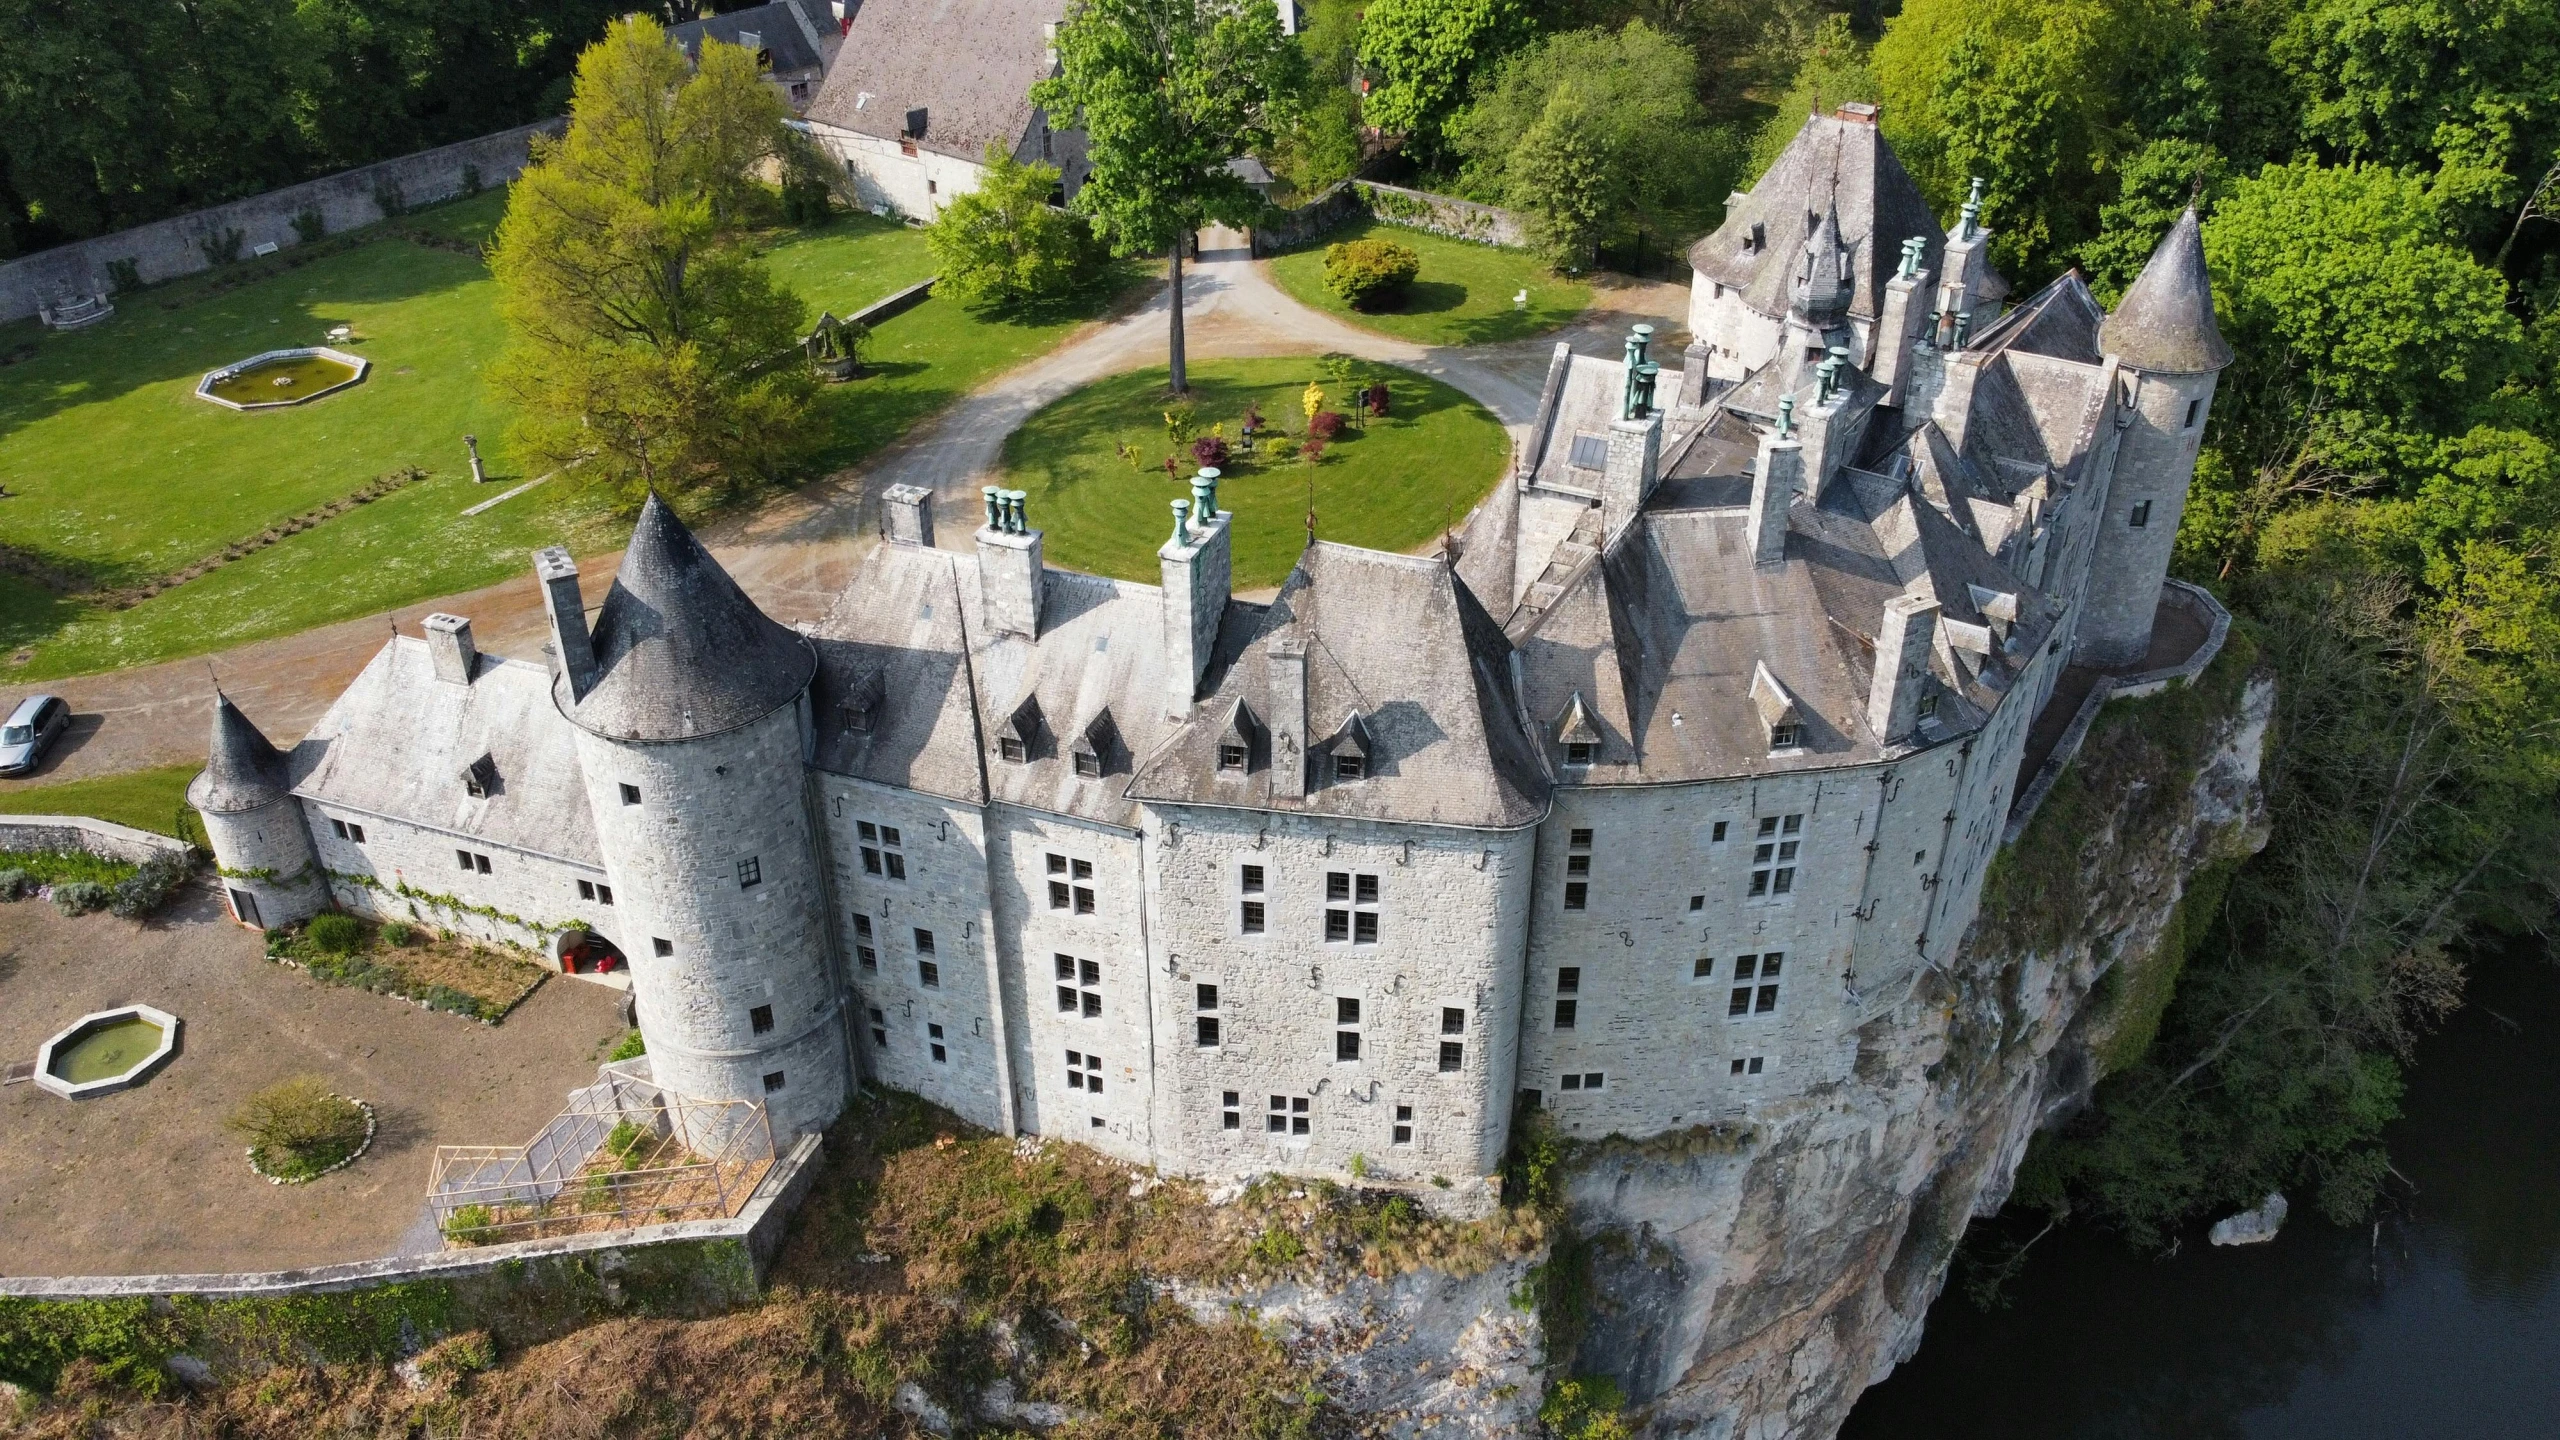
1210	450
1327	425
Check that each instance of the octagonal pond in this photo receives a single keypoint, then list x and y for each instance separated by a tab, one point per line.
281	377
106	1051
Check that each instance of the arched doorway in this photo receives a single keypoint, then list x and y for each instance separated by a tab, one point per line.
584	952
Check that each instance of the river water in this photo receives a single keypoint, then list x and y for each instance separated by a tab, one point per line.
2442	1322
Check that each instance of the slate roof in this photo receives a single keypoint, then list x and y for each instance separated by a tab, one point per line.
680	650
968	64
796	33
2060	320
2165	323
1397	639
242	771
397	741
895	640
1831	161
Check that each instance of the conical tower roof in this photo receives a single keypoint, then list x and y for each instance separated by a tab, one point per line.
680	649
241	770
2165	324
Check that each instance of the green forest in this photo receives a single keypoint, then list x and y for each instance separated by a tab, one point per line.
2378	497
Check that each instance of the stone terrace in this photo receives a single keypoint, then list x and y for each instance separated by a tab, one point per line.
148	1180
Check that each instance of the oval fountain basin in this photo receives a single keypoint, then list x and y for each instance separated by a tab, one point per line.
106	1051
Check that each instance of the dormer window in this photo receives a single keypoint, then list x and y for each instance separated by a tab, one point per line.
1235	741
1352	749
862	701
1013	751
1088	766
1350	765
1786	737
480	777
1579	752
1021	730
1778	710
1092	750
1755	239
1576	732
1231	757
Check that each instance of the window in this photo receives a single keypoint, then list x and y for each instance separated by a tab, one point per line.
1350	765
1403	1132
863	949
1568	979
472	860
750	873
1249	879
1716	837
1586	1080
1346	1038
1084	1072
1231	758
881	851
933	1038
1288	1115
1249	912
1773	855
1231	1111
1453	1021
1208	1031
929	975
1577	894
2195	411
924	942
1697	902
1579	839
772	1081
1064	895
1356	920
338	828
1088	766
355	832
661	947
586	889
760	1019
1453	1057
1251	918
1705	969
1565	1013
604	894
1346	1044
1011	750
1785	737
1748	999
1747	1067
1579	752
1206	1024
630	794
2141	516
879	1026
1577	865
1079	986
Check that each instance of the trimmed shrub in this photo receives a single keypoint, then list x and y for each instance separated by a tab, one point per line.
299	1126
150	885
1326	426
16	884
337	933
80	897
1370	274
1210	450
1280	447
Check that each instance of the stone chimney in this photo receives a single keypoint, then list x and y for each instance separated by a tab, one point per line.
1288	662
906	516
1635	439
1899	322
1693	375
1967	258
573	653
1198	570
1903	647
1775	483
1009	570
449	645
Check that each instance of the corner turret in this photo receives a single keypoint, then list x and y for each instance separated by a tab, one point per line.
270	873
2165	323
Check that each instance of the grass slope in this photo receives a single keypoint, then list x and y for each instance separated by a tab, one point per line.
1463	296
154	799
1394	487
121	474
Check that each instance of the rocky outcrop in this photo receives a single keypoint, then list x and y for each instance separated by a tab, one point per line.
1755	1289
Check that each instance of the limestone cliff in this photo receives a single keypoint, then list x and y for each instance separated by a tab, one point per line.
1751	1284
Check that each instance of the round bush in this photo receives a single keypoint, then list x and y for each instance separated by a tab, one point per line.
397	932
299	1127
150	885
1210	450
336	933
16	884
1370	274
1326	425
80	897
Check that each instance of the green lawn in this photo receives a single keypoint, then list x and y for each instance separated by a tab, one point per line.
1394	487
1462	297
154	799
119	473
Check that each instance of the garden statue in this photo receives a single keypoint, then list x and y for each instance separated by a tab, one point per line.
479	476
835	347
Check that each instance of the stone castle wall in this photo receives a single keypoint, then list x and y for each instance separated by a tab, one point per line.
348	200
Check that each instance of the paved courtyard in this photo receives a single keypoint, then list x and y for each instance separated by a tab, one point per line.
149	1181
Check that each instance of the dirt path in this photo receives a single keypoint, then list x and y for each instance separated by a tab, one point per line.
796	554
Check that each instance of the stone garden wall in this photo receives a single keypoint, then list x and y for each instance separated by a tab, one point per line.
188	244
1339	204
101	838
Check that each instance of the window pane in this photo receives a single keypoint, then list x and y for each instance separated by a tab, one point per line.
1337	924
1769	963
1453	1021
1252	917
1337	885
1740	1004
1346	1045
1564	1014
1453	1056
1568	979
1208	996
1090	971
1083	869
1253	879
897	866
1704	968
1066	998
1208	1029
1576	894
1092	1004
1346	1011
1364	927
1368	890
1057	864
1768	998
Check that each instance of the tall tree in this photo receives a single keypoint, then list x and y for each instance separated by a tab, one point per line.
1003	243
1425	54
643	333
1167	92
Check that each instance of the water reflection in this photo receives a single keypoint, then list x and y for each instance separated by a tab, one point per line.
2444	1321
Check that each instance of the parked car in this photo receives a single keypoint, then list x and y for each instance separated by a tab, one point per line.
38	721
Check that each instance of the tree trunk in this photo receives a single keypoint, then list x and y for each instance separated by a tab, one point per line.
1181	374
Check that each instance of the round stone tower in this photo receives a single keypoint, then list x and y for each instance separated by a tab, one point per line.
2170	354
687	701
270	872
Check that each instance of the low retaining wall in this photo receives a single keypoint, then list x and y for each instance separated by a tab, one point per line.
2197	602
1340	203
348	200
102	838
754	1237
895	305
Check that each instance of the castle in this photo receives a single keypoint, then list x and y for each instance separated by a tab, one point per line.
1641	804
